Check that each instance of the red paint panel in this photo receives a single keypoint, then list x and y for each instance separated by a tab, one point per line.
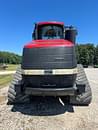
52	22
48	43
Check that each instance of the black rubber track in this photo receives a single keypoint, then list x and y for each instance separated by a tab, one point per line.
14	92
85	97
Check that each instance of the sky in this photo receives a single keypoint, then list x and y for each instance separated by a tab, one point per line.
17	18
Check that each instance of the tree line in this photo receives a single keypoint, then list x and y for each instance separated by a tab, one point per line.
9	58
87	54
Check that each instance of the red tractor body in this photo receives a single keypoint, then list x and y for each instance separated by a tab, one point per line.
49	66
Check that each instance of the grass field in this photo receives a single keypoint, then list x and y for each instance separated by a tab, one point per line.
12	67
5	80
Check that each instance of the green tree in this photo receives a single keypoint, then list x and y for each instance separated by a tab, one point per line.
96	55
10	58
85	54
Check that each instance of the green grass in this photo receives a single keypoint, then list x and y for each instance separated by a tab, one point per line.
5	79
12	67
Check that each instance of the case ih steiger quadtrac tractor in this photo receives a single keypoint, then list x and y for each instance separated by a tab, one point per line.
49	67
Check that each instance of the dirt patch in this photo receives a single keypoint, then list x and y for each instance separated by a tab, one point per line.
2	99
3	94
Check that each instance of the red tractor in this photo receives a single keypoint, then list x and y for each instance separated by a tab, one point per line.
49	67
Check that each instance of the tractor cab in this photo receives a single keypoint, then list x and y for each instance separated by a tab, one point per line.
54	30
49	30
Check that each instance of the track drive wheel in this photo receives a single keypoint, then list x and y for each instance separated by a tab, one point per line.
84	98
15	94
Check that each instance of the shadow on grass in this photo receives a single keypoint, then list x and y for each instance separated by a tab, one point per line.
43	106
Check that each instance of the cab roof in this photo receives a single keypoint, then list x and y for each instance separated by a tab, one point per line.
51	22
